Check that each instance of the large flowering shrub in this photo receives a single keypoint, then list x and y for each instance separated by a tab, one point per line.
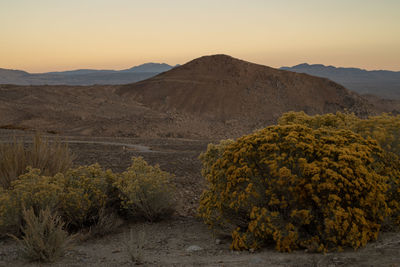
298	187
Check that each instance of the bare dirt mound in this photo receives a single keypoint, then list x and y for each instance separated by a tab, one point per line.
224	88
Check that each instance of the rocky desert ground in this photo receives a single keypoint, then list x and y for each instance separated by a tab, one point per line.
182	240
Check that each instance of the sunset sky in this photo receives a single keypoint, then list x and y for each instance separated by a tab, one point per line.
49	35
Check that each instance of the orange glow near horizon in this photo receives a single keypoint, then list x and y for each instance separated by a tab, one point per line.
48	35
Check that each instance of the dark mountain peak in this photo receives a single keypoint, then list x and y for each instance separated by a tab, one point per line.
309	66
302	65
218	67
11	71
218	59
79	72
150	67
379	82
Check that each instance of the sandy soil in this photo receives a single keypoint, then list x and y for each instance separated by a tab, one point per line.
168	243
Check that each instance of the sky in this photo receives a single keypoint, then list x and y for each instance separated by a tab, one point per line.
54	35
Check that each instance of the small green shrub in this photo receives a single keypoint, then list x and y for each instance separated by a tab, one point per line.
146	191
44	238
298	187
50	158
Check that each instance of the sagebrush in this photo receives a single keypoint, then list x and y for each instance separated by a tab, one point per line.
44	238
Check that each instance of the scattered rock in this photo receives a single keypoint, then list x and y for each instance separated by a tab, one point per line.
194	248
218	241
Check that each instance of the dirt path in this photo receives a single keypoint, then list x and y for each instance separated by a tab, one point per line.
136	147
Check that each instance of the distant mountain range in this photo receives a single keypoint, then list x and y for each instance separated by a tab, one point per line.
383	83
84	76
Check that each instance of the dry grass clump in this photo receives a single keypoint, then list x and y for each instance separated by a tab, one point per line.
50	157
146	191
134	245
44	238
298	187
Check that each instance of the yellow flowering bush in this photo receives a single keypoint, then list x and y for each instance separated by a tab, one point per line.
86	191
8	216
213	153
298	187
78	196
385	129
145	191
30	191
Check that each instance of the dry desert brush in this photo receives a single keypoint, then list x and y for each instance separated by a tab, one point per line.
134	245
298	187
49	157
44	238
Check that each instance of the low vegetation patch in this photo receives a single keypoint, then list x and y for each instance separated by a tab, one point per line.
86	198
312	183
